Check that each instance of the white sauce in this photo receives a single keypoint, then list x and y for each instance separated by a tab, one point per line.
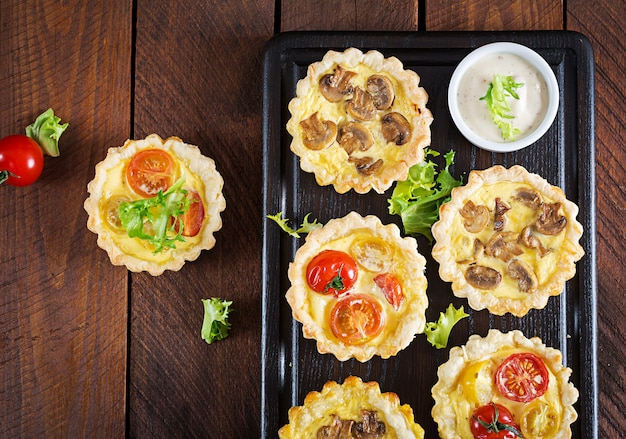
528	110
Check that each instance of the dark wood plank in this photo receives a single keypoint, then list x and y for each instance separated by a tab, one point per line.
387	15
198	77
494	15
602	22
62	305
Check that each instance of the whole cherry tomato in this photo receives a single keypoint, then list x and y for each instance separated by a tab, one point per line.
331	272
193	218
522	377
21	160
391	288
356	318
150	171
494	421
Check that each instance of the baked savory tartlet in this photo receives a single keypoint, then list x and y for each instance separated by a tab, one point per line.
155	204
507	240
359	121
358	288
353	409
504	379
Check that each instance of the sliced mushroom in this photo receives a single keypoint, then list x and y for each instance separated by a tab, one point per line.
526	278
370	427
317	134
499	220
366	165
528	197
336	85
531	241
549	221
381	89
354	136
484	278
361	106
476	217
339	429
395	128
503	245
479	249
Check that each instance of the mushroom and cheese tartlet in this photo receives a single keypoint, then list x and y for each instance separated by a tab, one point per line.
358	288
155	204
353	409
359	121
507	240
504	379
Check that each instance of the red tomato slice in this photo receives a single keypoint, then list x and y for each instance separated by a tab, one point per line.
494	421
150	171
193	218
522	377
331	272
390	285
356	319
21	160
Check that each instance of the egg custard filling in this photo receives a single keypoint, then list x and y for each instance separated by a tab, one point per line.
155	204
359	121
353	409
504	380
358	288
507	240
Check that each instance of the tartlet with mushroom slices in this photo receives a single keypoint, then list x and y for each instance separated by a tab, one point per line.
354	409
359	121
155	204
504	379
507	240
358	288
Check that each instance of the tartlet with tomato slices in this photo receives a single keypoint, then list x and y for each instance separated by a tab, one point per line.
155	204
354	409
504	382
358	288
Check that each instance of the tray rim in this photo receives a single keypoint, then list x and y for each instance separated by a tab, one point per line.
588	387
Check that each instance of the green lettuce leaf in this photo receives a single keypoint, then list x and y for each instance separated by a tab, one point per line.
46	131
417	199
305	227
155	219
499	89
215	325
437	333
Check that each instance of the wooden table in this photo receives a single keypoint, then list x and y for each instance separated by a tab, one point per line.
88	349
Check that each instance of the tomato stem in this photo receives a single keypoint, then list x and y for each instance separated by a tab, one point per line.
4	176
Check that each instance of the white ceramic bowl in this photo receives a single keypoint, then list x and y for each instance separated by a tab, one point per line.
531	57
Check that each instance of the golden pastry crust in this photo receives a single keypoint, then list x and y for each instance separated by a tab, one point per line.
466	382
346	402
386	155
109	184
507	240
387	252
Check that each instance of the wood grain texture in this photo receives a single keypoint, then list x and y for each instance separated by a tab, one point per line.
62	305
494	15
198	77
379	15
602	22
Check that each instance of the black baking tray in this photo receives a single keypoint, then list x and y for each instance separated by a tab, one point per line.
290	365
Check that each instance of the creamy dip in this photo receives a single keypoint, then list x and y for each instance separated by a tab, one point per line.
527	111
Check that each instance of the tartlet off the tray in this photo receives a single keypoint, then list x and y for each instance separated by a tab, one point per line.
507	240
359	121
111	187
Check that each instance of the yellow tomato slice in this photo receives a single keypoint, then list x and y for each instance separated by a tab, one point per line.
539	421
